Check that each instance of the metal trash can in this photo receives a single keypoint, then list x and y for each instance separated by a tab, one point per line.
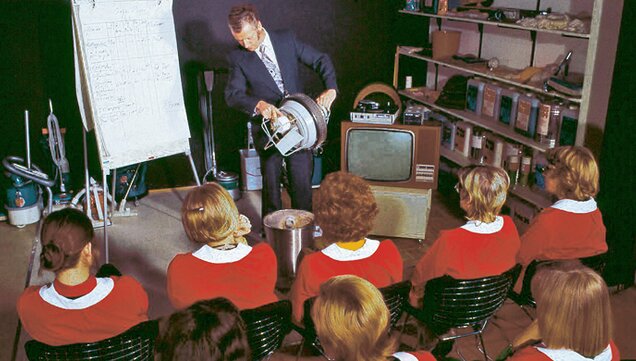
288	231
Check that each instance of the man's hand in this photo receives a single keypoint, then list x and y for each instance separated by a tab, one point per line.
267	110
326	98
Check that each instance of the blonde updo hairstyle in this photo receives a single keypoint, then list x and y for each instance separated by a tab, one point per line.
573	308
352	320
208	214
483	189
64	235
575	171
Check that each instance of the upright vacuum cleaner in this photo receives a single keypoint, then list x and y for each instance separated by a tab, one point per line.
228	180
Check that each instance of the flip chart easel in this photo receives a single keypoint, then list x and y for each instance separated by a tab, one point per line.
128	83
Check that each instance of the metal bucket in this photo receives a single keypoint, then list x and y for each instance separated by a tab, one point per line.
288	231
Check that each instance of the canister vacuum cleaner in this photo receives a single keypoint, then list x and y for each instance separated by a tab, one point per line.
24	197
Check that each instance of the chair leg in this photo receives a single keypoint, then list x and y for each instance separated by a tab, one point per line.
483	346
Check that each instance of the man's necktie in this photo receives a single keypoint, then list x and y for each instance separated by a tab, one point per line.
272	68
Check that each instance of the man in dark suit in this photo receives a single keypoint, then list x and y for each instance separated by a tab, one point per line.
262	71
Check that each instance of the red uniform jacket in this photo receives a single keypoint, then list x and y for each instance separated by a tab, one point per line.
568	229
472	251
245	275
97	309
378	262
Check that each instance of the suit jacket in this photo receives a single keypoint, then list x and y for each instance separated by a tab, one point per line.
250	82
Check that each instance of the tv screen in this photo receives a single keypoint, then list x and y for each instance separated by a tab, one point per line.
383	155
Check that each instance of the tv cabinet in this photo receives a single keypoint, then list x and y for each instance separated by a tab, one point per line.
518	47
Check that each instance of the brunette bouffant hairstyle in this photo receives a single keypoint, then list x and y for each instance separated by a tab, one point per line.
352	320
483	189
573	308
64	235
344	208
575	171
209	330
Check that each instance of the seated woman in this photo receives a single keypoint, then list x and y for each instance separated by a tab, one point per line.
574	317
209	330
572	227
77	306
225	266
345	210
485	246
352	324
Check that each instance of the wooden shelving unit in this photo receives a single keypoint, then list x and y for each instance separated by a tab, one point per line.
601	43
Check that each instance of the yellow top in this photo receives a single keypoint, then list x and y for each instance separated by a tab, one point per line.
352	246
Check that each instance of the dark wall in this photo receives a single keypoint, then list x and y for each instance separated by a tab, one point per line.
617	162
37	64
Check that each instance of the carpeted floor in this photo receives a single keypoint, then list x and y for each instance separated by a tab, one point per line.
143	245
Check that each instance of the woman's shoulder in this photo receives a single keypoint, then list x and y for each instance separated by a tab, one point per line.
262	249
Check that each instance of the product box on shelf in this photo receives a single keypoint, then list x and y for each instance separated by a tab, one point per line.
449	129
493	150
474	95
508	106
490	101
463	136
569	123
527	113
522	213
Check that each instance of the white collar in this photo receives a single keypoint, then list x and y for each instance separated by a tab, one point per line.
404	356
572	206
484	228
213	255
569	355
341	254
102	289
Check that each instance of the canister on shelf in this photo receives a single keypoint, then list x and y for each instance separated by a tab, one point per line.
524	172
474	95
512	154
508	106
462	138
548	121
569	123
527	112
477	143
490	101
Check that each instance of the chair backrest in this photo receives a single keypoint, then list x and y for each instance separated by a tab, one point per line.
395	297
267	326
451	303
137	343
597	263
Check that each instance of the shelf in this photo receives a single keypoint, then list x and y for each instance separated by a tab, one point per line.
455	157
498	24
482	70
503	130
533	195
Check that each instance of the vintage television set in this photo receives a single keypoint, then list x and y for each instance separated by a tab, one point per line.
395	155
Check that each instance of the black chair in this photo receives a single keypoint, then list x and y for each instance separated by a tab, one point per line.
458	304
137	343
395	297
267	326
524	298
